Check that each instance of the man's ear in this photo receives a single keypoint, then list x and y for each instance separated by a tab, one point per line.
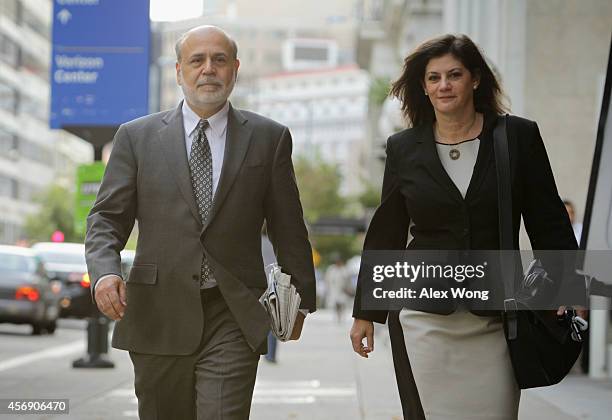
179	76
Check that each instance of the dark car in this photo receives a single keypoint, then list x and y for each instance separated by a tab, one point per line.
66	263
27	294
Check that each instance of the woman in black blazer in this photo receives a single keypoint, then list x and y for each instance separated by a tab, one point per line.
440	185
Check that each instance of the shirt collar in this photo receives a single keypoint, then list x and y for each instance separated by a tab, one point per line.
217	122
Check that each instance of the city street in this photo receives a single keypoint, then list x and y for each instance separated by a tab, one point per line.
316	378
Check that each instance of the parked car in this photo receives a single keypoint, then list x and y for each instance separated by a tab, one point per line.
66	263
27	294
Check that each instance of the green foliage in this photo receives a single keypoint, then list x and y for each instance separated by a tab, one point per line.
56	213
379	90
344	245
319	183
370	197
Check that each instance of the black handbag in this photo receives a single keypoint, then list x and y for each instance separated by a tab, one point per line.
541	348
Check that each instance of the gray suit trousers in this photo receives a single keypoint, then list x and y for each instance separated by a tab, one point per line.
215	382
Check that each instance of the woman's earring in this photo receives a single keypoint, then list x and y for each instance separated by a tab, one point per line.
428	95
475	87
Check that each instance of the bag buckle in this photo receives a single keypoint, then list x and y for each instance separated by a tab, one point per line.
510	308
510	305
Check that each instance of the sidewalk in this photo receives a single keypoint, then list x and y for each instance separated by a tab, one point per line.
317	378
321	378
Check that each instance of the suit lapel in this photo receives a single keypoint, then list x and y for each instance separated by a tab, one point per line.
431	160
236	146
429	155
483	159
172	139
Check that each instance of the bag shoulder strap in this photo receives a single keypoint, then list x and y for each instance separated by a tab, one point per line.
504	204
504	186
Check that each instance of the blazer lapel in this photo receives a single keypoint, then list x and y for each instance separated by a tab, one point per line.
431	160
483	159
236	146
172	139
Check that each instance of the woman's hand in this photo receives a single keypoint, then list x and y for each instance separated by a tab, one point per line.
362	329
580	311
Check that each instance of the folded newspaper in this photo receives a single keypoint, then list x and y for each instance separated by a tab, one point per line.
281	301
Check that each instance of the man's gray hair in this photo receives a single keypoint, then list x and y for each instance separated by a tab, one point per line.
179	42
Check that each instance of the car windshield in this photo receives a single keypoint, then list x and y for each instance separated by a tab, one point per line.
63	258
17	263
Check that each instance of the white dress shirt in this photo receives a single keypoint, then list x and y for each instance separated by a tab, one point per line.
216	132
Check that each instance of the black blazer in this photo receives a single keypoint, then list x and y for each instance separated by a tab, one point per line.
416	187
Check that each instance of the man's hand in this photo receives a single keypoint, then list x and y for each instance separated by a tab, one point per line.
362	329
111	298
297	327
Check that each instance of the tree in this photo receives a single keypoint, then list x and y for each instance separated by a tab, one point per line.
319	184
370	197
56	213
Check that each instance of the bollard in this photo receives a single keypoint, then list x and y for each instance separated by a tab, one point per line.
97	344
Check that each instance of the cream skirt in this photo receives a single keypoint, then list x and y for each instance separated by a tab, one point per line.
461	366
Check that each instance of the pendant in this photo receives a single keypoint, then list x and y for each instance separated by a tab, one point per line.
454	154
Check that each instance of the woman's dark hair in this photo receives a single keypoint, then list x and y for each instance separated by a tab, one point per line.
416	107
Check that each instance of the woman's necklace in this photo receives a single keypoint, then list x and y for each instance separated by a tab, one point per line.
454	153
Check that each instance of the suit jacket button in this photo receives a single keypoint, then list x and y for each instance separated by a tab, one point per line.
195	277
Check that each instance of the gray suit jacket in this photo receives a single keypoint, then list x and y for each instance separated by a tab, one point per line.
147	179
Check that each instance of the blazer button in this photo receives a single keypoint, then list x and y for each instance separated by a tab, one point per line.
195	277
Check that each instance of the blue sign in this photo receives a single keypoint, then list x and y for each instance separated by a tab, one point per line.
100	62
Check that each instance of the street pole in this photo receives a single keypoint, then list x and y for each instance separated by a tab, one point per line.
97	323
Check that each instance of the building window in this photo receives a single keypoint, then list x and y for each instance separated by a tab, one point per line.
5	186
32	22
35	66
33	108
8	144
14	189
9	51
35	152
10	233
10	9
8	99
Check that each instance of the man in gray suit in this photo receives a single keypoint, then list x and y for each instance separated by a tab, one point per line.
200	180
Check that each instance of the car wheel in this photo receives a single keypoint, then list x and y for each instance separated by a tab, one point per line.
36	329
51	326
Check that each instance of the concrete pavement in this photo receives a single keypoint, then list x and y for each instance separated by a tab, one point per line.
318	377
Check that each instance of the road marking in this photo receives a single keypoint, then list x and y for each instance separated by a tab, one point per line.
315	383
320	392
297	392
284	400
124	392
270	393
52	353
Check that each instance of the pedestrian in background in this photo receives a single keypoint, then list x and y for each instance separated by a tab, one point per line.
440	182
338	286
200	179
